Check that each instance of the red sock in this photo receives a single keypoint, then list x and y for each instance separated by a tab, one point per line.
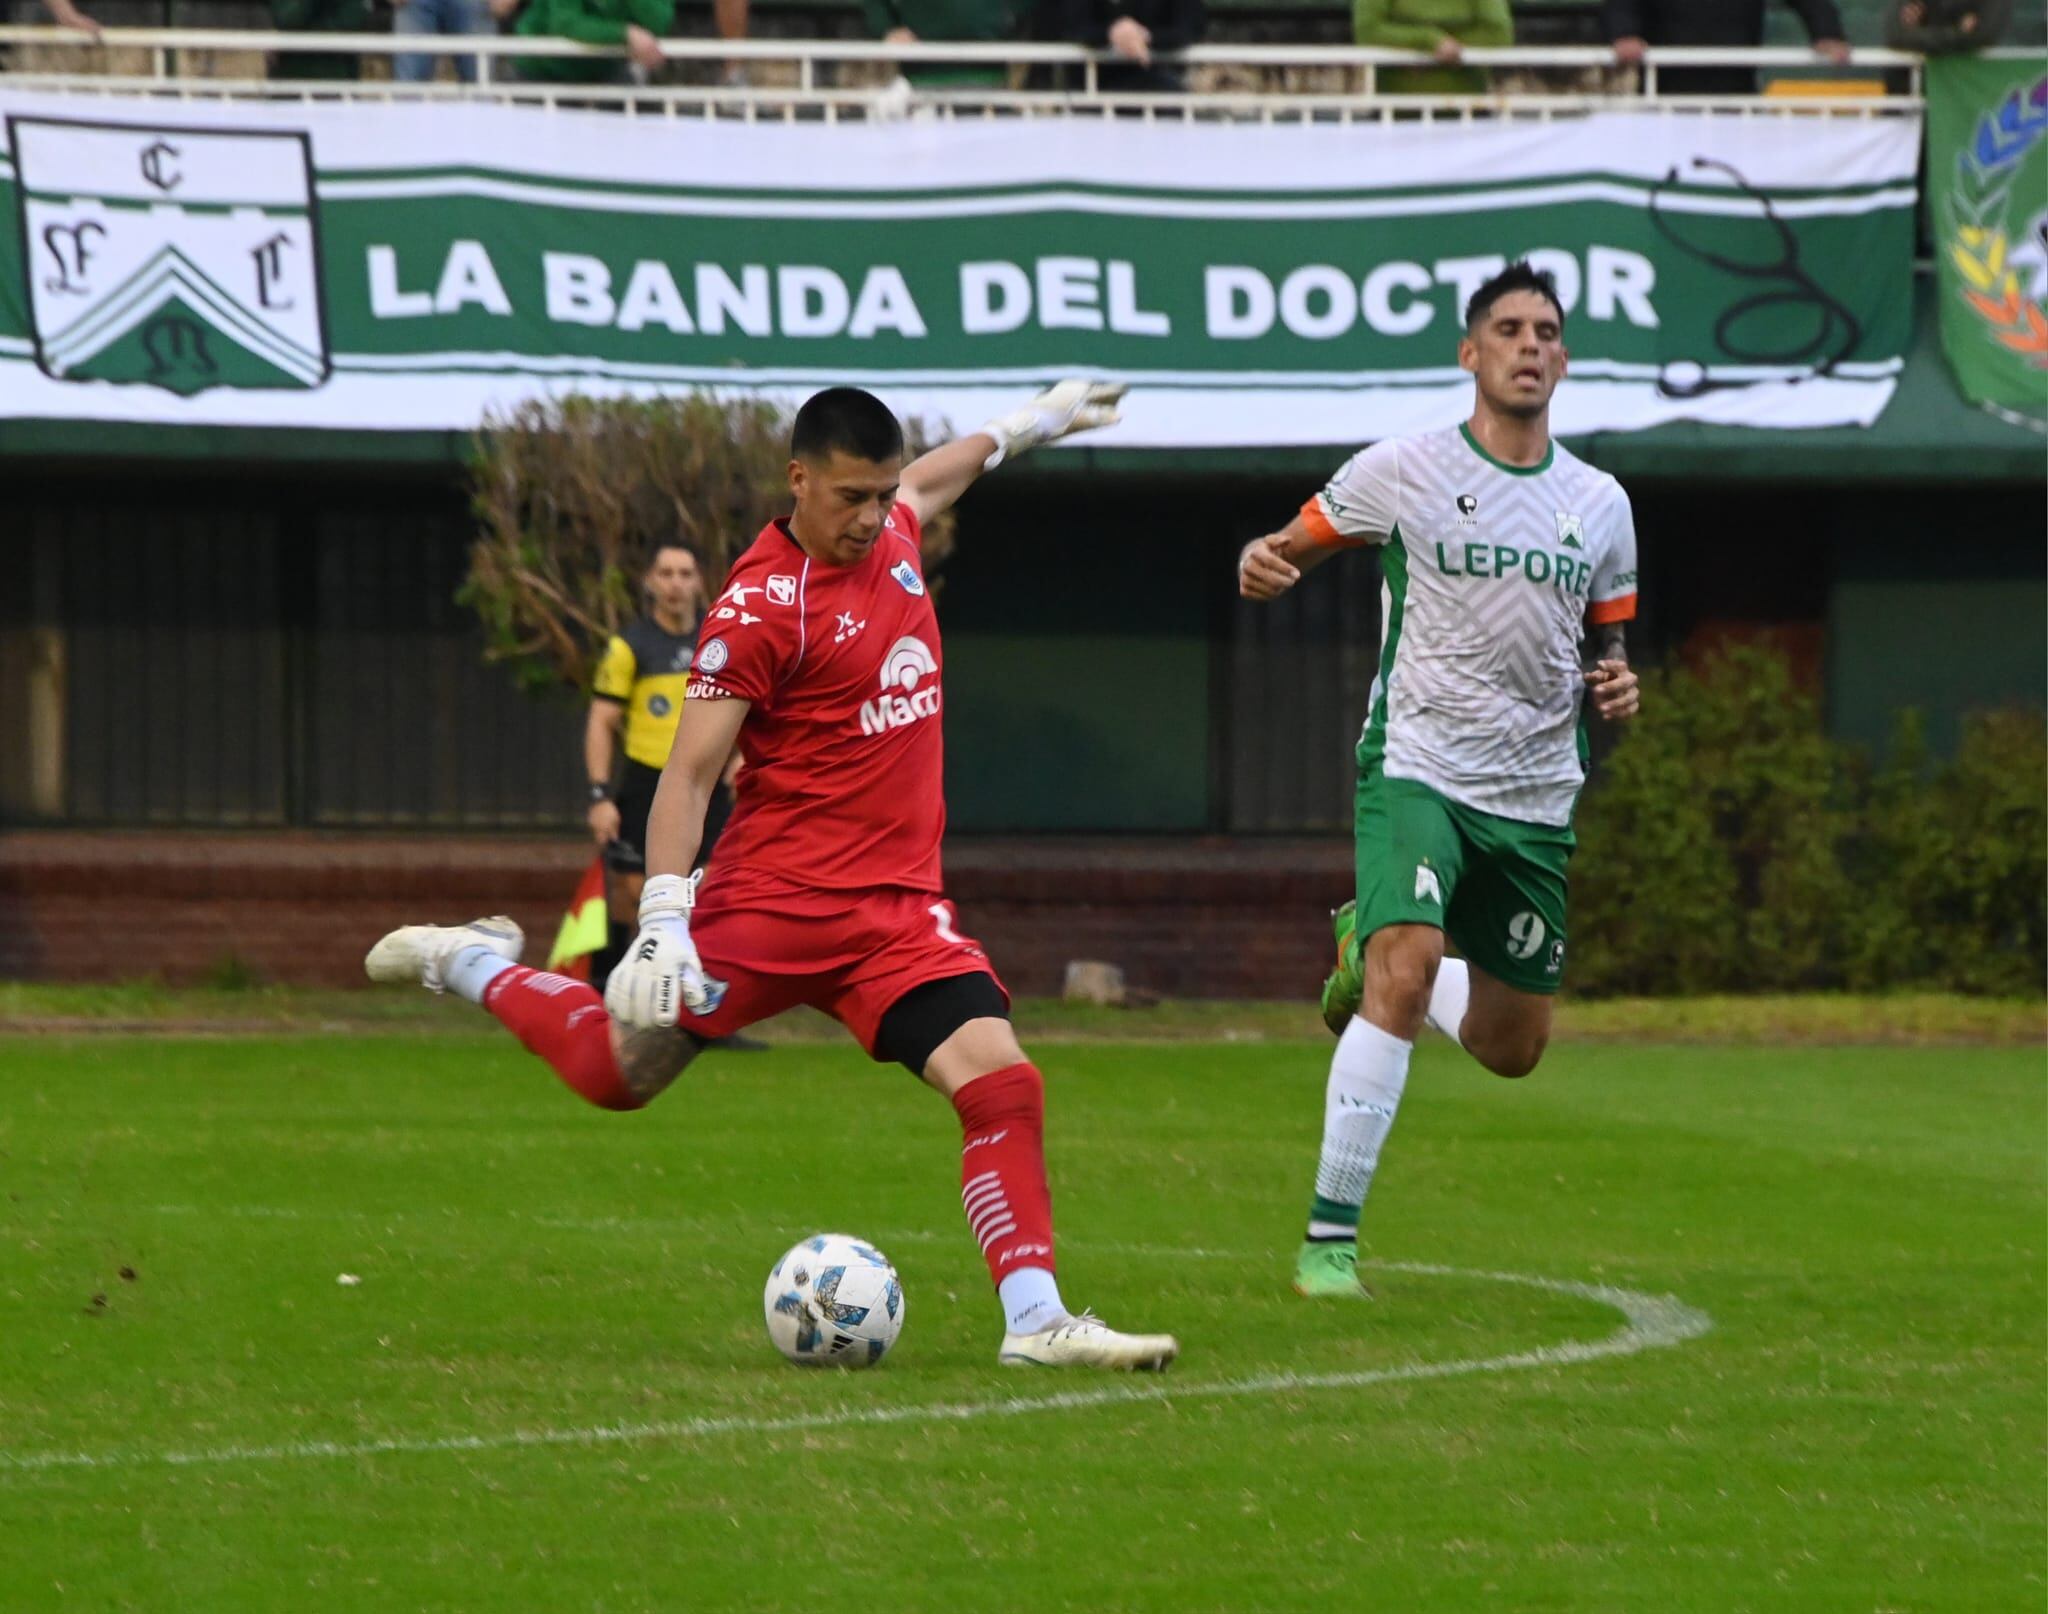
563	1021
1002	1169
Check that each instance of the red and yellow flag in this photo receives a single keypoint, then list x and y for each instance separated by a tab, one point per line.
585	926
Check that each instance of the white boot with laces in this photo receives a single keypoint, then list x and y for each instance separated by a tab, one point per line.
422	953
1088	1341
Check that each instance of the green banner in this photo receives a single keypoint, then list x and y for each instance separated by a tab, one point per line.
1987	172
423	265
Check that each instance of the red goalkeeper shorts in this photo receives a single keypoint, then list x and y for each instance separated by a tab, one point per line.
850	954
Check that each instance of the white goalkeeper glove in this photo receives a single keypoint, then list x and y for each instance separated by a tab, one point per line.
1072	406
661	974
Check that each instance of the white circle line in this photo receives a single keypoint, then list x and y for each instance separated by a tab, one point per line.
1650	1322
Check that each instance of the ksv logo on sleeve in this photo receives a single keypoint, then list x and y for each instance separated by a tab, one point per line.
908	664
171	258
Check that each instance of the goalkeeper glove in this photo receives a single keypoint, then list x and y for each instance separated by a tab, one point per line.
1072	406
661	974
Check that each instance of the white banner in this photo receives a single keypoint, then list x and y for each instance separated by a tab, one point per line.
413	267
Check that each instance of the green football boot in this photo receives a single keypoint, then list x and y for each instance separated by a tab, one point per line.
1345	989
1327	1269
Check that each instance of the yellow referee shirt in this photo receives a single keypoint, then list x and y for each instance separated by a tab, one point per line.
645	670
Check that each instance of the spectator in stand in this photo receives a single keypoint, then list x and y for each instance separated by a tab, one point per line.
1443	28
1137	31
731	19
911	22
65	15
636	24
319	17
438	17
1635	25
1947	27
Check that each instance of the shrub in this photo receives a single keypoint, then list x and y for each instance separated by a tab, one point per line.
570	493
1729	845
1983	901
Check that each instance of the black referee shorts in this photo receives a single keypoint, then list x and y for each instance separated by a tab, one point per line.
628	854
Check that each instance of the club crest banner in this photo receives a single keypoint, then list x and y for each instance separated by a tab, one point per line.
415	267
1987	180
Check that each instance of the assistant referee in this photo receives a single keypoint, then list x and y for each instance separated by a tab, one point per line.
638	699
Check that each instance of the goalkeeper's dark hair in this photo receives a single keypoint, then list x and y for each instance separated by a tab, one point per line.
845	420
1521	275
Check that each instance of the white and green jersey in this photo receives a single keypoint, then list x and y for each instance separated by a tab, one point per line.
1491	572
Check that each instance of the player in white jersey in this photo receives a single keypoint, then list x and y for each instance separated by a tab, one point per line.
1497	549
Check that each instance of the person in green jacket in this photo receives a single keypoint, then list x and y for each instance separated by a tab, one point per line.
636	24
320	17
907	22
1442	27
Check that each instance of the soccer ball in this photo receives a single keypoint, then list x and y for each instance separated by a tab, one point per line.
834	1301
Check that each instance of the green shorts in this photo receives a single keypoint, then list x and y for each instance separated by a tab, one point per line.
1495	886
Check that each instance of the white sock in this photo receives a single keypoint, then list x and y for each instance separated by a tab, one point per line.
473	969
1367	1074
1031	1300
1450	997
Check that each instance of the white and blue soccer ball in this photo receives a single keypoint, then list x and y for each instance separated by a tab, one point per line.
834	1301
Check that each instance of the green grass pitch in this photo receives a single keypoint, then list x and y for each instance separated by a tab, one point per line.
550	1389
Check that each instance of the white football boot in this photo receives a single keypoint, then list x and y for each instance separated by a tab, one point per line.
421	952
1088	1341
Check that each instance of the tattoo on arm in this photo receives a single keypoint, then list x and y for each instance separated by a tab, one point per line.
1613	642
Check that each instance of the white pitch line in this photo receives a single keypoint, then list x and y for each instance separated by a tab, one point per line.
1650	1322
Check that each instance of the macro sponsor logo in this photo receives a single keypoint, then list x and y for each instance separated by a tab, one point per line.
907	665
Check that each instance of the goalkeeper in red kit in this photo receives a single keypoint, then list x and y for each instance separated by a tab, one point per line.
822	662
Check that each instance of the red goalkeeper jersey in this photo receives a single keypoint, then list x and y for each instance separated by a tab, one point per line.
843	787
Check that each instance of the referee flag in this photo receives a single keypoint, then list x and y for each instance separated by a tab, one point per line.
584	927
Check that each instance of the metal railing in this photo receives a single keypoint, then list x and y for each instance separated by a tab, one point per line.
817	77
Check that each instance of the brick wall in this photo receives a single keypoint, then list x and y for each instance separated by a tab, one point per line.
1185	918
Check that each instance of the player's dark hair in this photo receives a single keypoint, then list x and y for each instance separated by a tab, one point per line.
845	420
1521	275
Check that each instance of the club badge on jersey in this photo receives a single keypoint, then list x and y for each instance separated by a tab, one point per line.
906	574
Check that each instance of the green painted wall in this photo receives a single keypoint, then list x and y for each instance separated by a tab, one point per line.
1077	731
1080	629
1967	634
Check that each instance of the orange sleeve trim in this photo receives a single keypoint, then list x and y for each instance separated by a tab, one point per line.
1318	524
1620	609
